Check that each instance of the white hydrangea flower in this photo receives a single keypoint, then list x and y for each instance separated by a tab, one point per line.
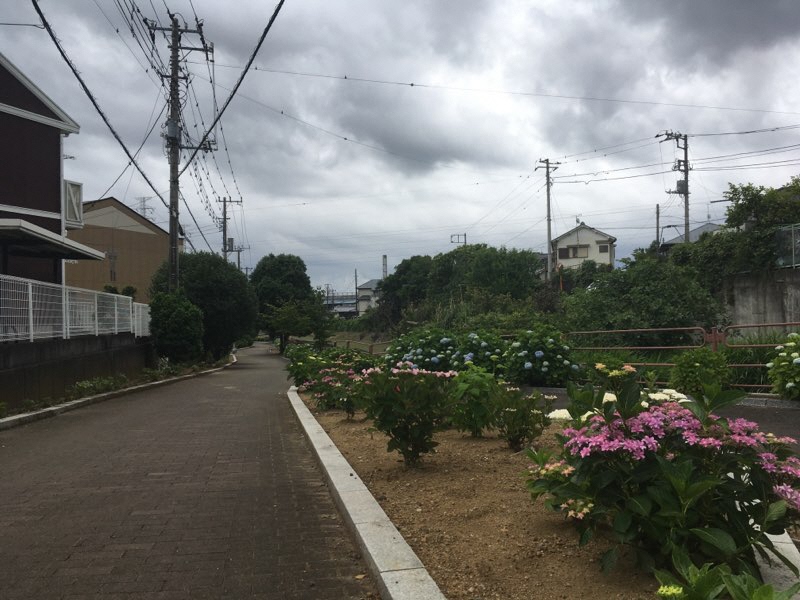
561	414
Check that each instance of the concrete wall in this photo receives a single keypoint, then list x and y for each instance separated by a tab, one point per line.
769	297
46	369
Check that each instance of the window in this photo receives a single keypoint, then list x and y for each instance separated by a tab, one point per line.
579	251
602	248
563	253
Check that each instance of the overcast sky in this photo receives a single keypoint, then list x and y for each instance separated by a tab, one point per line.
342	171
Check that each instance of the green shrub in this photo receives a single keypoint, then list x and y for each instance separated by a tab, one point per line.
695	368
98	385
407	405
176	326
784	370
521	417
476	395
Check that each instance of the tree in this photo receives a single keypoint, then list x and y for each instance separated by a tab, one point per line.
286	301
407	286
762	208
649	292
220	291
280	279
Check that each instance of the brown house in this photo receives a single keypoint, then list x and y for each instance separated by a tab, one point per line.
36	205
134	248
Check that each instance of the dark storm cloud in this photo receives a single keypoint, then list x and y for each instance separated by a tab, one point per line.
711	33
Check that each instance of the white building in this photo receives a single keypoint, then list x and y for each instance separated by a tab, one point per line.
583	243
368	295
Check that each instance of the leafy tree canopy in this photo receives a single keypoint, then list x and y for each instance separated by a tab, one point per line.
279	279
761	208
220	291
648	292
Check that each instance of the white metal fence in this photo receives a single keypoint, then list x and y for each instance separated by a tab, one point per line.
32	310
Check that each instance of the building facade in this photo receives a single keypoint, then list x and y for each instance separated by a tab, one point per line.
134	249
583	243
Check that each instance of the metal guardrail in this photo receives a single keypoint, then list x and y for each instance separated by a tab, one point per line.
33	310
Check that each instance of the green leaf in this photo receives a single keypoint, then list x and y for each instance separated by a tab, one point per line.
587	535
641	505
683	564
775	511
622	521
719	539
609	560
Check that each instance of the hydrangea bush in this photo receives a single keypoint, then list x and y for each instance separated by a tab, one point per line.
407	404
537	357
784	369
662	474
533	357
521	417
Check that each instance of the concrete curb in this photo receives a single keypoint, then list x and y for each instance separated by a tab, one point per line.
395	568
775	572
52	411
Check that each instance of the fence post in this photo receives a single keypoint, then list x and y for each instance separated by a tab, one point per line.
96	315
30	311
65	314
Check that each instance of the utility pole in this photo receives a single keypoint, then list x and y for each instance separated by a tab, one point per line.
549	167
238	250
227	244
174	129
682	186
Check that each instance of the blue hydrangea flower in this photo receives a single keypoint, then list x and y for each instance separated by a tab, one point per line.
468	356
528	365
435	360
538	354
575	367
484	344
544	369
796	361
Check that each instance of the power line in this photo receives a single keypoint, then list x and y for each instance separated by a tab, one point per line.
515	93
238	83
93	101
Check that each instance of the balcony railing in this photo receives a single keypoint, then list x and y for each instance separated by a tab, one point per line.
32	310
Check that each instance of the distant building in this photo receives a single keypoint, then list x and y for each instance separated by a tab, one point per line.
694	235
583	243
368	295
134	248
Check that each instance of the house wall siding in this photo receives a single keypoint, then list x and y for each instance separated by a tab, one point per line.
31	168
138	256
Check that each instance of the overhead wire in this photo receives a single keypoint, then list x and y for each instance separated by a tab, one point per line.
515	93
238	82
92	99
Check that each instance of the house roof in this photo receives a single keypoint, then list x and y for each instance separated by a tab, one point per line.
584	226
369	285
23	238
21	97
694	234
110	212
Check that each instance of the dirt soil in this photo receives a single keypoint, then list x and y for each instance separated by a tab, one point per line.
467	515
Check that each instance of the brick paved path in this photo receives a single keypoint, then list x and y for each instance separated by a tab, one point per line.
199	489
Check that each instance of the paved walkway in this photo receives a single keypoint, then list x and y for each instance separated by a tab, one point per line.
205	488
